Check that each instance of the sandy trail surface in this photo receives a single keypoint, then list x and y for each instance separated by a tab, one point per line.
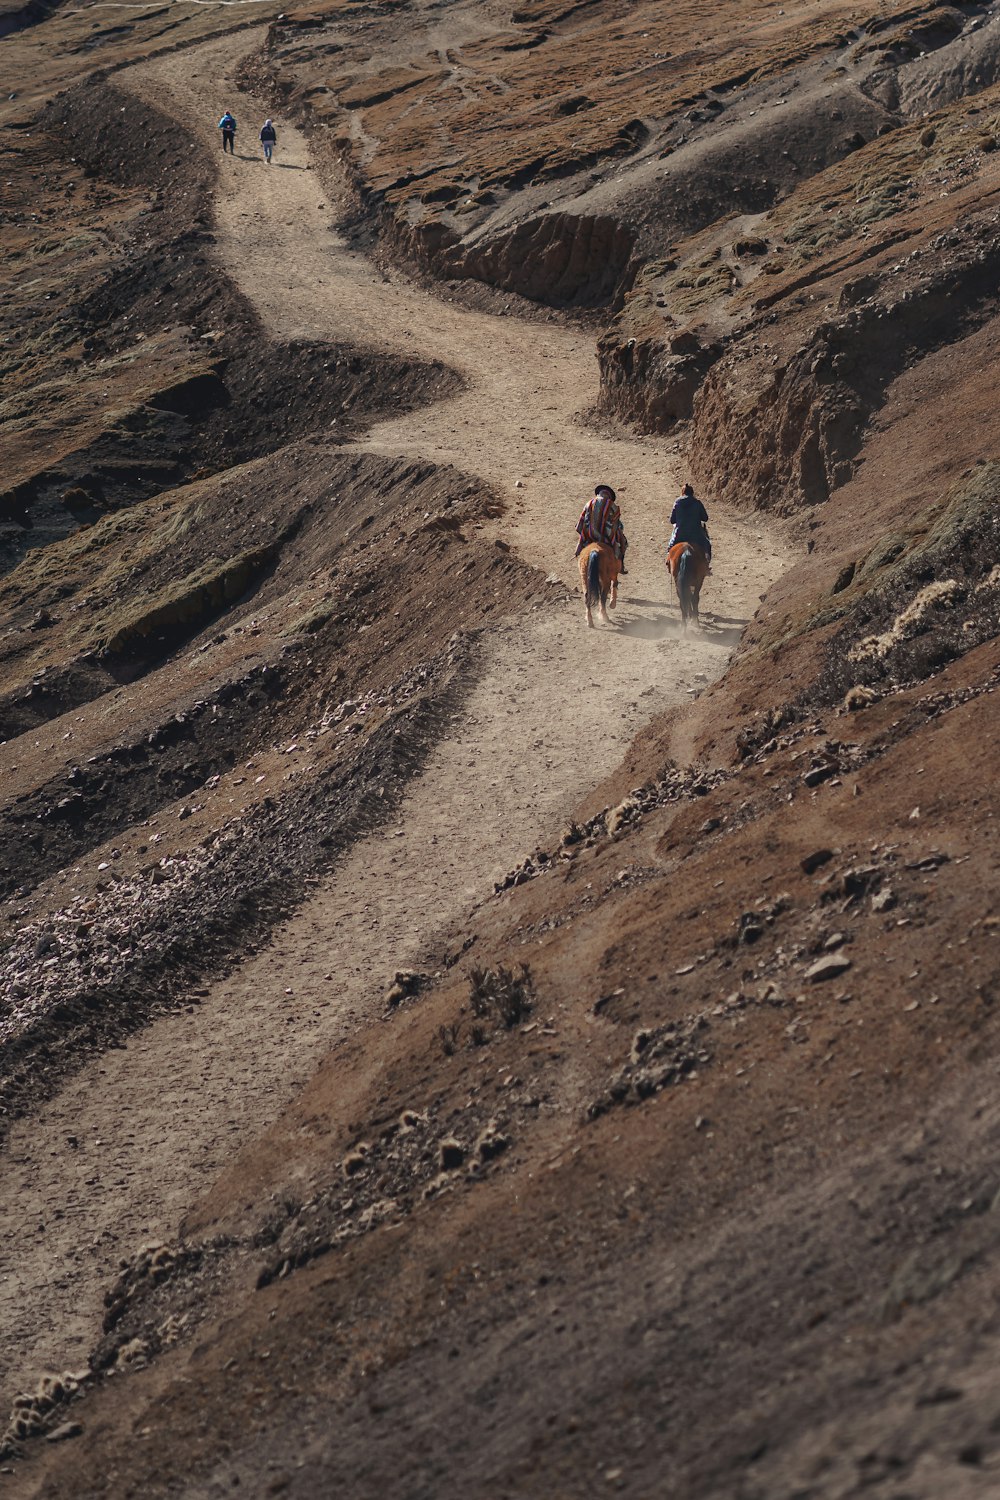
132	1141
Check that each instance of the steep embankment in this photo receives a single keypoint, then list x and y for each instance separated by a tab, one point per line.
521	700
671	1164
781	331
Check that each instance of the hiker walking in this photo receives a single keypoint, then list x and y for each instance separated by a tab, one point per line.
268	139
228	127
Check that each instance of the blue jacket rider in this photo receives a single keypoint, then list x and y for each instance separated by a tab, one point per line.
689	519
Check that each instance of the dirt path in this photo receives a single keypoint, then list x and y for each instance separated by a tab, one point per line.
151	1124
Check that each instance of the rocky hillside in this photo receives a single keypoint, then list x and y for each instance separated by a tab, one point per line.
667	1165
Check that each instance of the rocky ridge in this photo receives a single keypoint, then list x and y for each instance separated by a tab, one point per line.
676	1153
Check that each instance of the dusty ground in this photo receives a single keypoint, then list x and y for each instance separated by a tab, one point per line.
668	1164
552	709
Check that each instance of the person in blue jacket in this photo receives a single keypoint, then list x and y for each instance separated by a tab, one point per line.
228	127
689	518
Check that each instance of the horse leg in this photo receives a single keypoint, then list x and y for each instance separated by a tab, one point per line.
692	604
696	594
603	596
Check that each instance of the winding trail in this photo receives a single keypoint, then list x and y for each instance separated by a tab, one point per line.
155	1122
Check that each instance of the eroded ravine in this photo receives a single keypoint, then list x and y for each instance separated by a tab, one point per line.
158	1120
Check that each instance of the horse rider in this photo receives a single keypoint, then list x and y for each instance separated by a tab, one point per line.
689	519
601	521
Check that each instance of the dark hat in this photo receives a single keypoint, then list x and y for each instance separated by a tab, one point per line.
604	489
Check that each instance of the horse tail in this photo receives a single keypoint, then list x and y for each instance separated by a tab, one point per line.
593	578
685	579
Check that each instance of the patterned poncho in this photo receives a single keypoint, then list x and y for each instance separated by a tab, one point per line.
601	521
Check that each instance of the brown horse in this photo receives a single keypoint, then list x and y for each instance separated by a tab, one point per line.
599	574
688	568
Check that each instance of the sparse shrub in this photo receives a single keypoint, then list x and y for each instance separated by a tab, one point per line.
858	697
491	1143
750	244
618	817
448	1037
405	985
356	1160
451	1155
640	1042
439	1184
77	498
501	995
37	1410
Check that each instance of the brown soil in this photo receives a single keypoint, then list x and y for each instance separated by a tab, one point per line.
435	1061
477	805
